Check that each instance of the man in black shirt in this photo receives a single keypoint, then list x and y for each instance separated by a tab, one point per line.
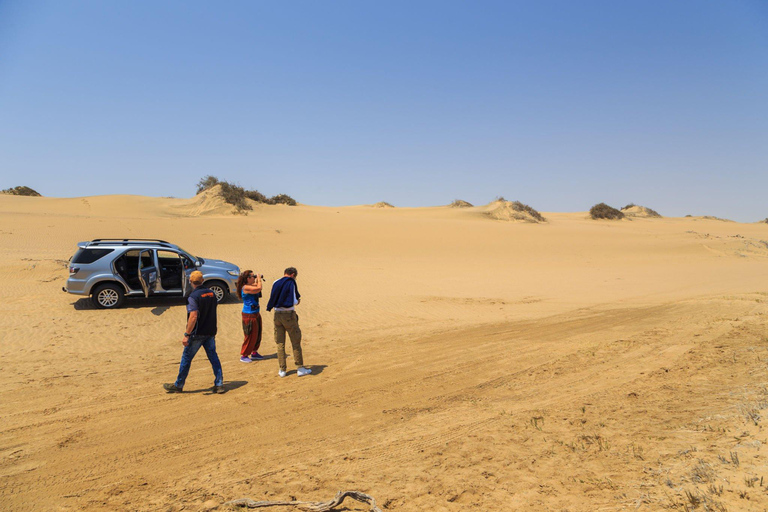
200	332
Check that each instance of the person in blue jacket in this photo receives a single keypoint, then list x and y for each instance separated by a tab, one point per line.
284	299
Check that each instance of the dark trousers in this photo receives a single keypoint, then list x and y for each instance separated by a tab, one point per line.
209	344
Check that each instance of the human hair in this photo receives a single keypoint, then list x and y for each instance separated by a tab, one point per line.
242	280
196	278
291	271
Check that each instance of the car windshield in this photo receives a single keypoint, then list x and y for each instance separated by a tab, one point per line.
189	255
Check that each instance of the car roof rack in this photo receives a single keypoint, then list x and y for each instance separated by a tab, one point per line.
130	241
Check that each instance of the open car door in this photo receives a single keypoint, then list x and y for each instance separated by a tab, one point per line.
187	267
147	272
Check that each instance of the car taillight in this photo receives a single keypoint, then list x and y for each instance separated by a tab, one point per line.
73	270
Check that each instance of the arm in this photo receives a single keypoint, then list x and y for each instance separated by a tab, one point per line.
254	288
191	321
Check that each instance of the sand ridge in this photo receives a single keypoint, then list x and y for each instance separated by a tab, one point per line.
460	363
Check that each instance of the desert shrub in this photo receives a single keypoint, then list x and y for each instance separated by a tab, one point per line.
520	207
207	182
603	211
689	215
630	205
257	196
237	195
234	195
22	191
766	220
651	212
459	203
500	198
282	199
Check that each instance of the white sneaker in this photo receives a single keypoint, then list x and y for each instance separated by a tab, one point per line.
281	373
303	371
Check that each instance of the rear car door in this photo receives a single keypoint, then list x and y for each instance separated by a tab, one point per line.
147	272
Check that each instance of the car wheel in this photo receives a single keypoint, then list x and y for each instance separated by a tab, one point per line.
219	289
108	296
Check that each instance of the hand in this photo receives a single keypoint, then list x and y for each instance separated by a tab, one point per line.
185	341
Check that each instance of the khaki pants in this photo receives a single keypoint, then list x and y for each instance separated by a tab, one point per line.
288	321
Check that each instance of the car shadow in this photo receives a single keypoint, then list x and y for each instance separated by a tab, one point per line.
159	304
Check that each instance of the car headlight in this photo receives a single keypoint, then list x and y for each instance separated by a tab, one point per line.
234	273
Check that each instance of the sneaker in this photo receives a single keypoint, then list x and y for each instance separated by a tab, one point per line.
303	371
257	357
171	388
219	389
245	359
282	373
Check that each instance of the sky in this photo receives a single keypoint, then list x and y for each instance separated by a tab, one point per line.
559	104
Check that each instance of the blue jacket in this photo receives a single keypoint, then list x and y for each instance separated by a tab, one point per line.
284	294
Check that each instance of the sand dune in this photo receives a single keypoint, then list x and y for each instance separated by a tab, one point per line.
460	363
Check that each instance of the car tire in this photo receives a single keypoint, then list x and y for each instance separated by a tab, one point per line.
108	296
219	289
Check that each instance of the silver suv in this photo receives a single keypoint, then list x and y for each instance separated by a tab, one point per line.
110	269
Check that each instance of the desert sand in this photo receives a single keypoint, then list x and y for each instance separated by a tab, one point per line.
462	361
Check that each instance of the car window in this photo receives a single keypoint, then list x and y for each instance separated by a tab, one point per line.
132	257
168	258
85	256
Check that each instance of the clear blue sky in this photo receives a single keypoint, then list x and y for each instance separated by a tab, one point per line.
559	104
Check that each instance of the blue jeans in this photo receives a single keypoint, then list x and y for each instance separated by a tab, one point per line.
209	344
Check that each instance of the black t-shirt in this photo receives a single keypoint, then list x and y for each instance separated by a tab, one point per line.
204	302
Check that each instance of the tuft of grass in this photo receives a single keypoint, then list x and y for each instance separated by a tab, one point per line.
21	191
603	211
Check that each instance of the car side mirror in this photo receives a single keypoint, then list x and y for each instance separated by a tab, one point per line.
198	264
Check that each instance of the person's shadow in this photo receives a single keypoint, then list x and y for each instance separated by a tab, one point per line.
228	386
317	369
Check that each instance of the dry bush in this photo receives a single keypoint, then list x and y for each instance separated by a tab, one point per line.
255	195
603	211
22	191
235	196
644	211
206	183
459	203
520	207
282	199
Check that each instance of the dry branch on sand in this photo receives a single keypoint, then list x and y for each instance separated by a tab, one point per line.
312	506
